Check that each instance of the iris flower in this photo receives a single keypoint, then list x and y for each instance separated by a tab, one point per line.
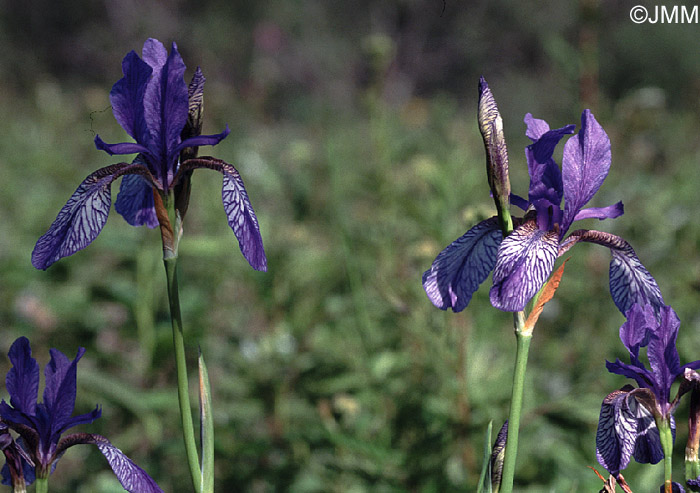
155	106
40	425
523	261
628	417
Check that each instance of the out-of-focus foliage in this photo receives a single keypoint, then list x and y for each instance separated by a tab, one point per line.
354	126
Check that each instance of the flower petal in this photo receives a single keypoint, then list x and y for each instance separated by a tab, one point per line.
459	269
636	331
545	175
525	260
121	148
82	218
127	95
535	127
203	140
135	201
630	281
132	478
22	381
585	165
60	377
165	109
663	356
609	212
647	447
616	433
239	211
154	53
638	373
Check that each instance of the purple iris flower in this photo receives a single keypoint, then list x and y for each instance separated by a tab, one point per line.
523	261
155	106
628	417
40	425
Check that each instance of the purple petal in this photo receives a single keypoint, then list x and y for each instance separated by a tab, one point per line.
519	202
22	381
166	104
525	260
616	434
203	140
638	373
662	353
82	218
609	212
127	95
460	268
647	447
60	389
239	211
545	175
630	281
636	331
121	148
585	165
535	127
154	53
132	478
135	201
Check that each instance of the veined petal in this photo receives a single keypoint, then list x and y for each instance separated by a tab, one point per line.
127	94
135	201
239	211
132	478
616	434
585	165
647	447
460	268
630	281
525	259
609	212
154	53
82	218
22	381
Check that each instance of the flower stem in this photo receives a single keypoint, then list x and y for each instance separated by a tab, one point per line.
41	485
516	403
666	436
181	365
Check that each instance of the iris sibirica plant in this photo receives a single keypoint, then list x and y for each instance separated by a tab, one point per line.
34	455
638	422
522	251
163	114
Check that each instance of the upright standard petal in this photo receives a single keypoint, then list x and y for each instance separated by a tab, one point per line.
460	268
166	107
525	259
127	96
630	281
80	221
585	165
132	478
663	356
239	211
637	329
22	381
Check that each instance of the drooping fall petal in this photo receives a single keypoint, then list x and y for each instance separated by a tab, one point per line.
459	269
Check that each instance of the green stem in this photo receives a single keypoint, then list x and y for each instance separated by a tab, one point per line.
516	402
181	364
41	485
666	436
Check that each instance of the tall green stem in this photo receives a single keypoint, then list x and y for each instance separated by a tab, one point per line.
516	402
181	365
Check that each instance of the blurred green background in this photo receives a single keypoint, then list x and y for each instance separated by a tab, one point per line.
354	128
